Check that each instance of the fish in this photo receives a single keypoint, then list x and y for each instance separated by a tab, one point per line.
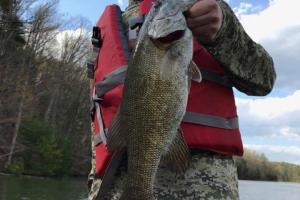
154	98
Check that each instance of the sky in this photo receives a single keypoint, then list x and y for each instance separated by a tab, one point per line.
270	124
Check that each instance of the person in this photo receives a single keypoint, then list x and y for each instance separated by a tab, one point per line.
250	68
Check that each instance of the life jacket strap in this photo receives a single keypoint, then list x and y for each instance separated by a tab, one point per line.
216	78
117	77
100	124
211	120
95	109
189	117
99	137
111	80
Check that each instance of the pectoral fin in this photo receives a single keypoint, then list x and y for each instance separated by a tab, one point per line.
194	72
177	157
115	138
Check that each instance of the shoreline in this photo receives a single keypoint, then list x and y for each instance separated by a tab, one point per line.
85	177
269	181
3	174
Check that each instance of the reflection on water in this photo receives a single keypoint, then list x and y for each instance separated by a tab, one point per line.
29	188
261	190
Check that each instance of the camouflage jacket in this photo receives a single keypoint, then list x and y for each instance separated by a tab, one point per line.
248	64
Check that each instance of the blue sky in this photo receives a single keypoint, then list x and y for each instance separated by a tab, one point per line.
270	124
91	9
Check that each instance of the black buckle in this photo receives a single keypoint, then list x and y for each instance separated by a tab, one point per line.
90	70
92	108
135	22
96	38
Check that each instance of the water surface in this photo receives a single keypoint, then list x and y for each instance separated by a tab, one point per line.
261	190
30	188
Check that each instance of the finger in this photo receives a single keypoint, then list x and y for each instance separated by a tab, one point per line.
201	7
202	20
205	33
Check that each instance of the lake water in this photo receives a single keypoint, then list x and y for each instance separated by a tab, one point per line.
28	188
260	190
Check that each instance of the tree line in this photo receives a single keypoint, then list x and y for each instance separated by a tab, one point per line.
255	166
44	91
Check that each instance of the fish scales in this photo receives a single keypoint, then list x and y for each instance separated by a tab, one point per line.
154	100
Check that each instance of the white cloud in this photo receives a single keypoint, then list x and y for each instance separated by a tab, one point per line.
243	8
285	52
277	152
271	116
69	34
271	108
72	33
288	132
120	2
279	16
277	28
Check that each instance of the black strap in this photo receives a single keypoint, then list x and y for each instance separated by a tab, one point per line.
214	77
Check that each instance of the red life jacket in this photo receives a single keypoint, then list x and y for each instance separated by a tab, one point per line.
211	119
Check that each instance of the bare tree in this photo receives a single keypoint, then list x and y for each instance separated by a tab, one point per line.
44	78
39	34
74	46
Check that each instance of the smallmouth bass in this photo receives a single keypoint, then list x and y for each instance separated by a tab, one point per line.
155	97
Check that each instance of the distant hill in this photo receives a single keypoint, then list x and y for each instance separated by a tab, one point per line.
254	166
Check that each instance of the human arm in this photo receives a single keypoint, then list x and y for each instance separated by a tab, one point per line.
248	65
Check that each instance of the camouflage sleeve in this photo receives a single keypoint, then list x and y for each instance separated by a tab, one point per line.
247	63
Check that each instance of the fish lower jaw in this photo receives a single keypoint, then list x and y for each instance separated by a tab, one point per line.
137	194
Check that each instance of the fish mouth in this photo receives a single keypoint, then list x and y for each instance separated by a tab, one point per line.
165	41
172	37
167	29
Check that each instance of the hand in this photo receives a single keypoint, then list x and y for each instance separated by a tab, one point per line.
204	19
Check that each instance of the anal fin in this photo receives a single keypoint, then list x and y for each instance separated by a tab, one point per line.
177	157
